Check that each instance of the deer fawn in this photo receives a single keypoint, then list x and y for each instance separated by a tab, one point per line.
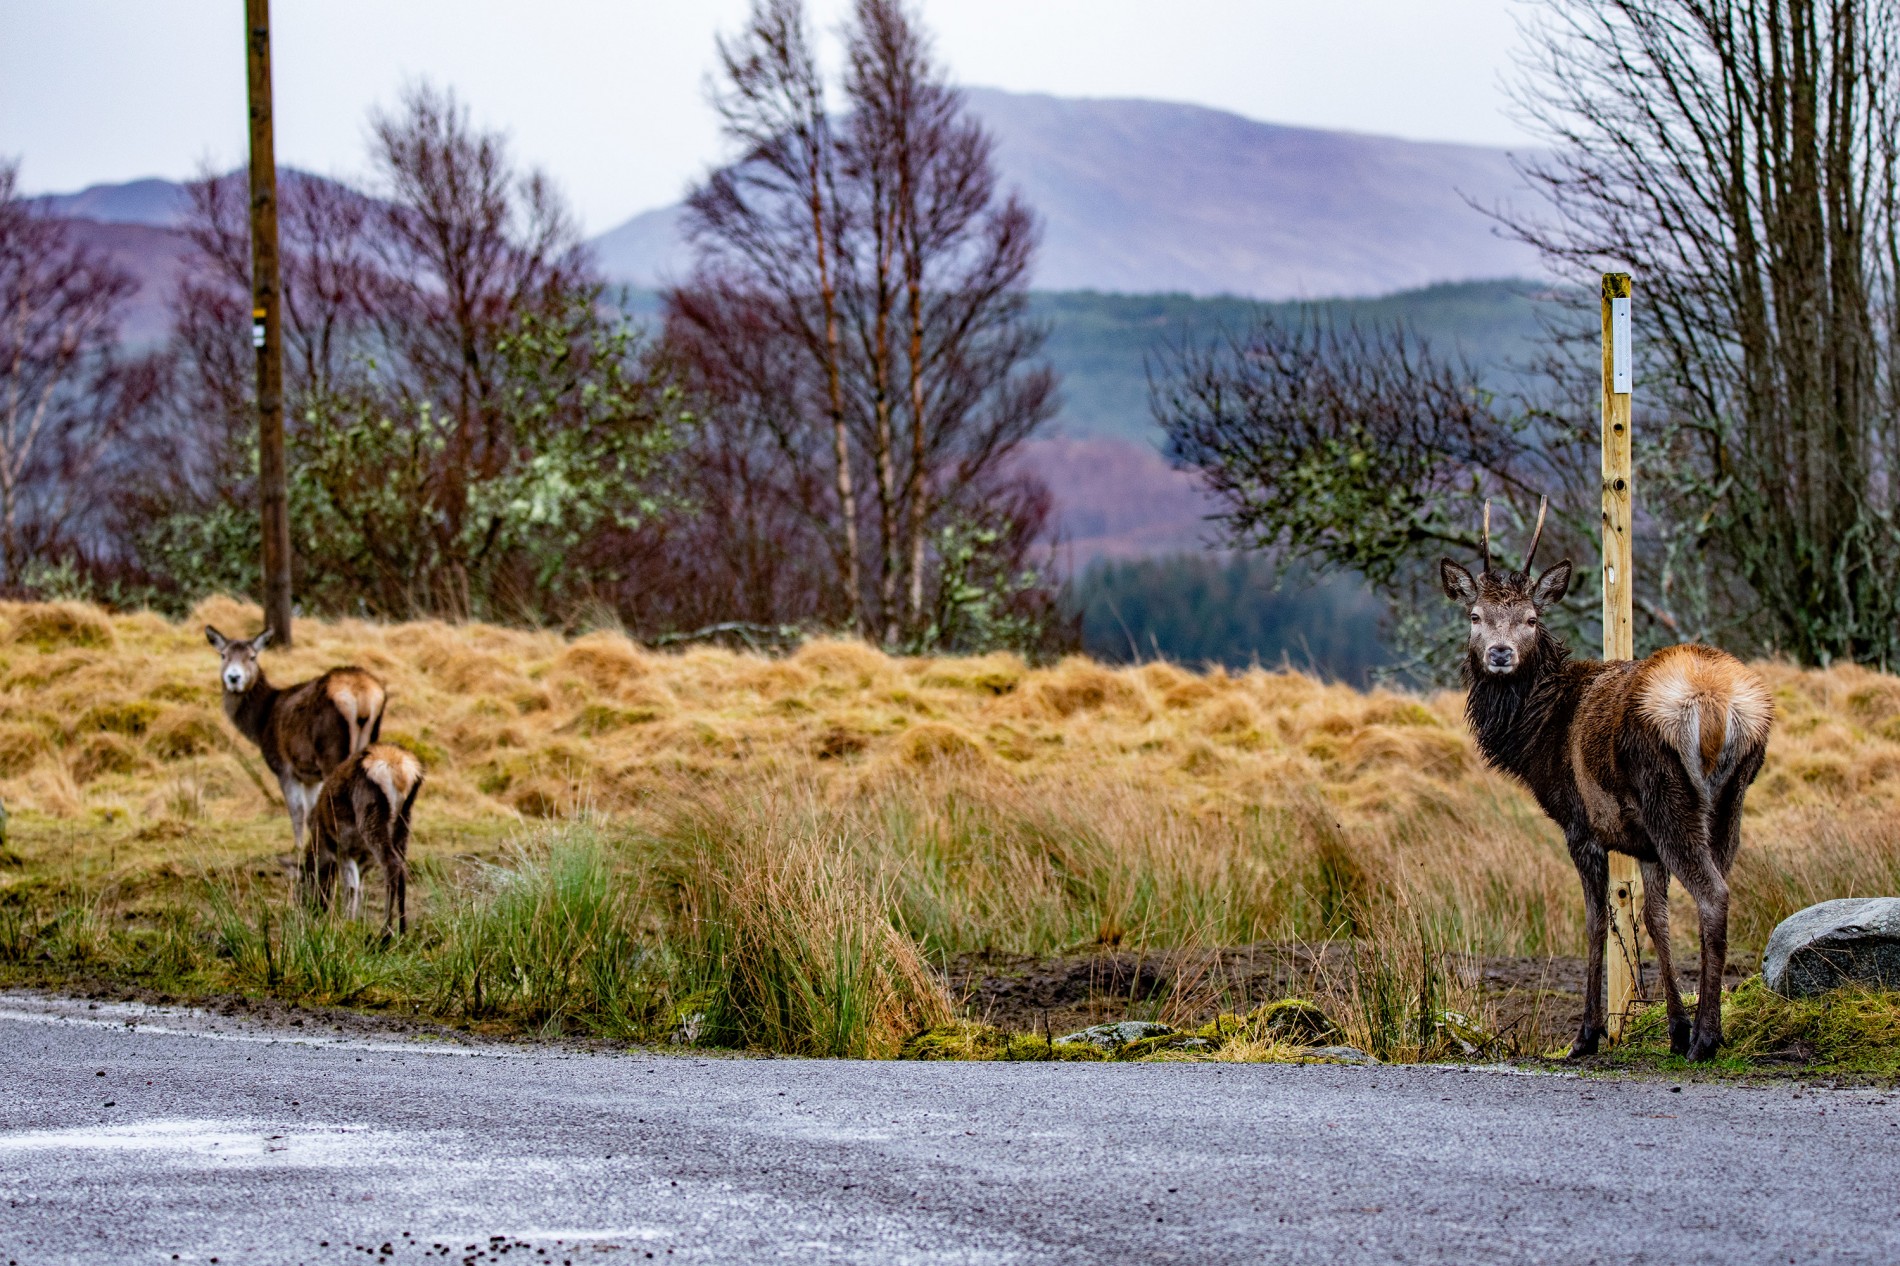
304	731
1649	758
362	816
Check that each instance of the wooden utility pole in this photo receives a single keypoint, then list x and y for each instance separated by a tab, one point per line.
267	328
1619	629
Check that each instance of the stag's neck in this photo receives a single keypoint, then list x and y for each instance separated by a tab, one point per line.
251	711
1522	721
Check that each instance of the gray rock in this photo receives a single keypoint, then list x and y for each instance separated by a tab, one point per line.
1113	1035
1854	940
1340	1054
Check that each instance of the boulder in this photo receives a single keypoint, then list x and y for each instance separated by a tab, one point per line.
1111	1036
1854	940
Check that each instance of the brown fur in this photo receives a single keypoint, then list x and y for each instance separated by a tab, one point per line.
1650	759
362	816
303	731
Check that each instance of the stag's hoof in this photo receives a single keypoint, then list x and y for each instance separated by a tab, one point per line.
1679	1034
1703	1048
1586	1044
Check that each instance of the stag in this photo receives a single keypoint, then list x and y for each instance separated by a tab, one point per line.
1649	758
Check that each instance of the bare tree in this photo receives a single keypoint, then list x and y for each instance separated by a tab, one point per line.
773	215
928	167
65	396
880	252
1738	156
467	418
470	248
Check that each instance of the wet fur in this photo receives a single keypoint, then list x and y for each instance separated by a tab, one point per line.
362	817
1649	758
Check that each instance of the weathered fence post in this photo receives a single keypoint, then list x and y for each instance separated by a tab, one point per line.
1619	639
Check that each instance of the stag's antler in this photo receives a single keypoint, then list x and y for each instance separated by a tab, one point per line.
1484	537
1543	504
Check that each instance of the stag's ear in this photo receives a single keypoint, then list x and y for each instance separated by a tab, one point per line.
262	640
217	639
1459	586
1551	586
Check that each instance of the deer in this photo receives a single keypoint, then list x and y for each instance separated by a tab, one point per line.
1650	758
304	731
362	816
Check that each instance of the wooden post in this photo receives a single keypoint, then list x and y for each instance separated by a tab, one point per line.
266	329
1624	952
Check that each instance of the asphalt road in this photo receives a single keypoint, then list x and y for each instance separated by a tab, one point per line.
130	1135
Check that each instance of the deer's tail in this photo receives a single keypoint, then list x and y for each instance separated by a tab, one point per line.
1708	706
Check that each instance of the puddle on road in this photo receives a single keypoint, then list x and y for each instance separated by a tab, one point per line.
223	1140
192	1022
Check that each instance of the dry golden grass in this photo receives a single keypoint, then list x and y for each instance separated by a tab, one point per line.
994	805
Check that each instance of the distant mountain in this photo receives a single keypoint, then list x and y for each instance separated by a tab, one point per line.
155	257
159	203
1150	197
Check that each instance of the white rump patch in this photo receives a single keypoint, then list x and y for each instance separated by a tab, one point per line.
1695	691
395	775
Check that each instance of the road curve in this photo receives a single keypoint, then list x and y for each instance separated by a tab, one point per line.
130	1135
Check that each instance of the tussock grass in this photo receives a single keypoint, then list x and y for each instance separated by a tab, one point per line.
779	852
1849	1031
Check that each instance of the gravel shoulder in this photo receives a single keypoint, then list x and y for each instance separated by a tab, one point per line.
132	1133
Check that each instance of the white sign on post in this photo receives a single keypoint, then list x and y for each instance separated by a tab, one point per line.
1620	346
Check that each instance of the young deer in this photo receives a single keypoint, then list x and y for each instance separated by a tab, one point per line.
1649	758
304	731
362	816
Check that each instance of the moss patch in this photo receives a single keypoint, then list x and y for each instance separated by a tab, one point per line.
1272	1032
1844	1032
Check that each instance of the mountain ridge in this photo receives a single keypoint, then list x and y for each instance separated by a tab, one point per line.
1142	197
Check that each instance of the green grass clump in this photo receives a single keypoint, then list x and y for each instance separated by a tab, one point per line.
792	947
1849	1031
550	941
1852	1030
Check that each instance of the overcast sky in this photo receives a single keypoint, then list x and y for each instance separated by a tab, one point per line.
608	95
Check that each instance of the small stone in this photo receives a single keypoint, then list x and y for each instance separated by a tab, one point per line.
1110	1036
1340	1054
1851	940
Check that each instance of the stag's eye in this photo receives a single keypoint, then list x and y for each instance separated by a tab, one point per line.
1474	617
1532	621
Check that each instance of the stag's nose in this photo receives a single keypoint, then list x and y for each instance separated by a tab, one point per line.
1500	658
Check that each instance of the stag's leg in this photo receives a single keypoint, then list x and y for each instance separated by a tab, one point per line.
396	895
1710	890
298	808
307	874
353	882
1725	830
1593	868
324	864
1656	918
400	869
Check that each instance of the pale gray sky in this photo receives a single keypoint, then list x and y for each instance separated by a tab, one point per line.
607	95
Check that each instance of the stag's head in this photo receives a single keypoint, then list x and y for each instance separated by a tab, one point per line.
1506	607
237	661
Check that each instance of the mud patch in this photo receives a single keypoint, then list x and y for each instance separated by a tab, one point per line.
1531	1004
